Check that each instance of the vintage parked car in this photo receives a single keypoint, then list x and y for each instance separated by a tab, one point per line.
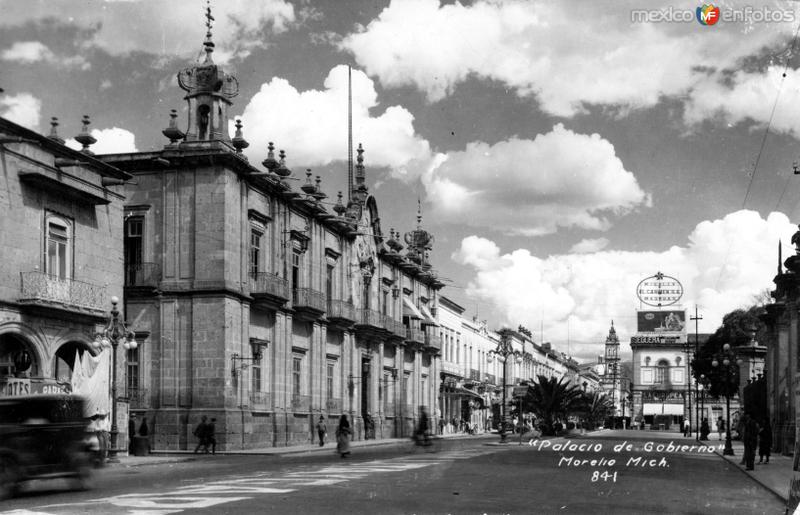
43	437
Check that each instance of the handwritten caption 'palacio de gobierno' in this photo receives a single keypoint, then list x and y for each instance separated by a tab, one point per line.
601	465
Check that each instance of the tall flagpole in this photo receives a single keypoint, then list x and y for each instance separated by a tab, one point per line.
349	135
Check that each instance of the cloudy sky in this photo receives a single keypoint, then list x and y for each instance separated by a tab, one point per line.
562	151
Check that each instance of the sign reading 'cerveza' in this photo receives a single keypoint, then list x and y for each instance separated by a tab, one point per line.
659	290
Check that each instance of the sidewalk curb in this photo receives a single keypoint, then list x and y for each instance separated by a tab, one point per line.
782	496
160	457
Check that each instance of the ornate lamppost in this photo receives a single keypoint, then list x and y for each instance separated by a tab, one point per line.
114	332
728	360
503	351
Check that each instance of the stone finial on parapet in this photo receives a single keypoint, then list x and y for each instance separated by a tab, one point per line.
792	263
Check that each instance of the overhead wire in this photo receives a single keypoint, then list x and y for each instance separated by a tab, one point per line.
762	145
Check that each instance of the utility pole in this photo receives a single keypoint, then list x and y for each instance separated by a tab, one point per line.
696	319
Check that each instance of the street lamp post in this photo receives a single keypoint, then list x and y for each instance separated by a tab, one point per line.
114	332
503	351
728	358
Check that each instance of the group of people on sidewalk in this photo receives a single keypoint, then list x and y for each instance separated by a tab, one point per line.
206	438
343	433
755	436
205	433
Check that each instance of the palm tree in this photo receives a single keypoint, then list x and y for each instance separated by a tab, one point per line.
551	399
597	406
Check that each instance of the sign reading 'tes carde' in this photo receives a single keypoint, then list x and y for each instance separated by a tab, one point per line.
659	290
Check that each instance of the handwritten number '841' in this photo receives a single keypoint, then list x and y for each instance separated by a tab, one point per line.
604	476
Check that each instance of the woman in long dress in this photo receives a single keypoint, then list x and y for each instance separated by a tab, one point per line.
343	436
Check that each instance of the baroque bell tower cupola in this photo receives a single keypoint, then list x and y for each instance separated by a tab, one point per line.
209	91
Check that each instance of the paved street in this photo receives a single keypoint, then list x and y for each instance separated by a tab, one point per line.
472	475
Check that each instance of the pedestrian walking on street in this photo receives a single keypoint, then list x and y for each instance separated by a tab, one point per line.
343	437
764	442
740	431
704	430
369	426
686	427
200	433
720	426
131	429
421	435
750	438
211	438
322	430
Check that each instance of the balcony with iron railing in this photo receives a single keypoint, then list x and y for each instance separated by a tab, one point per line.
341	311
268	286
415	335
369	318
434	342
142	275
394	327
308	303
44	290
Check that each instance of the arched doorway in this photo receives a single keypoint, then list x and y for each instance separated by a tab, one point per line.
64	361
17	357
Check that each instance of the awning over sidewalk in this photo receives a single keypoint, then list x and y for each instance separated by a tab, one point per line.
410	310
666	409
472	394
429	318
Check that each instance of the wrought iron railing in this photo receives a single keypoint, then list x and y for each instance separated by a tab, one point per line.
260	400
341	309
308	298
41	287
142	274
301	402
415	335
138	398
399	329
270	284
393	326
370	317
433	341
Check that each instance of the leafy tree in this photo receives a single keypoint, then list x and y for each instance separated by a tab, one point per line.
736	329
550	399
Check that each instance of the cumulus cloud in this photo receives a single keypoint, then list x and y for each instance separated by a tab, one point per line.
750	96
722	265
28	52
311	124
160	27
589	245
532	187
23	109
109	141
567	57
